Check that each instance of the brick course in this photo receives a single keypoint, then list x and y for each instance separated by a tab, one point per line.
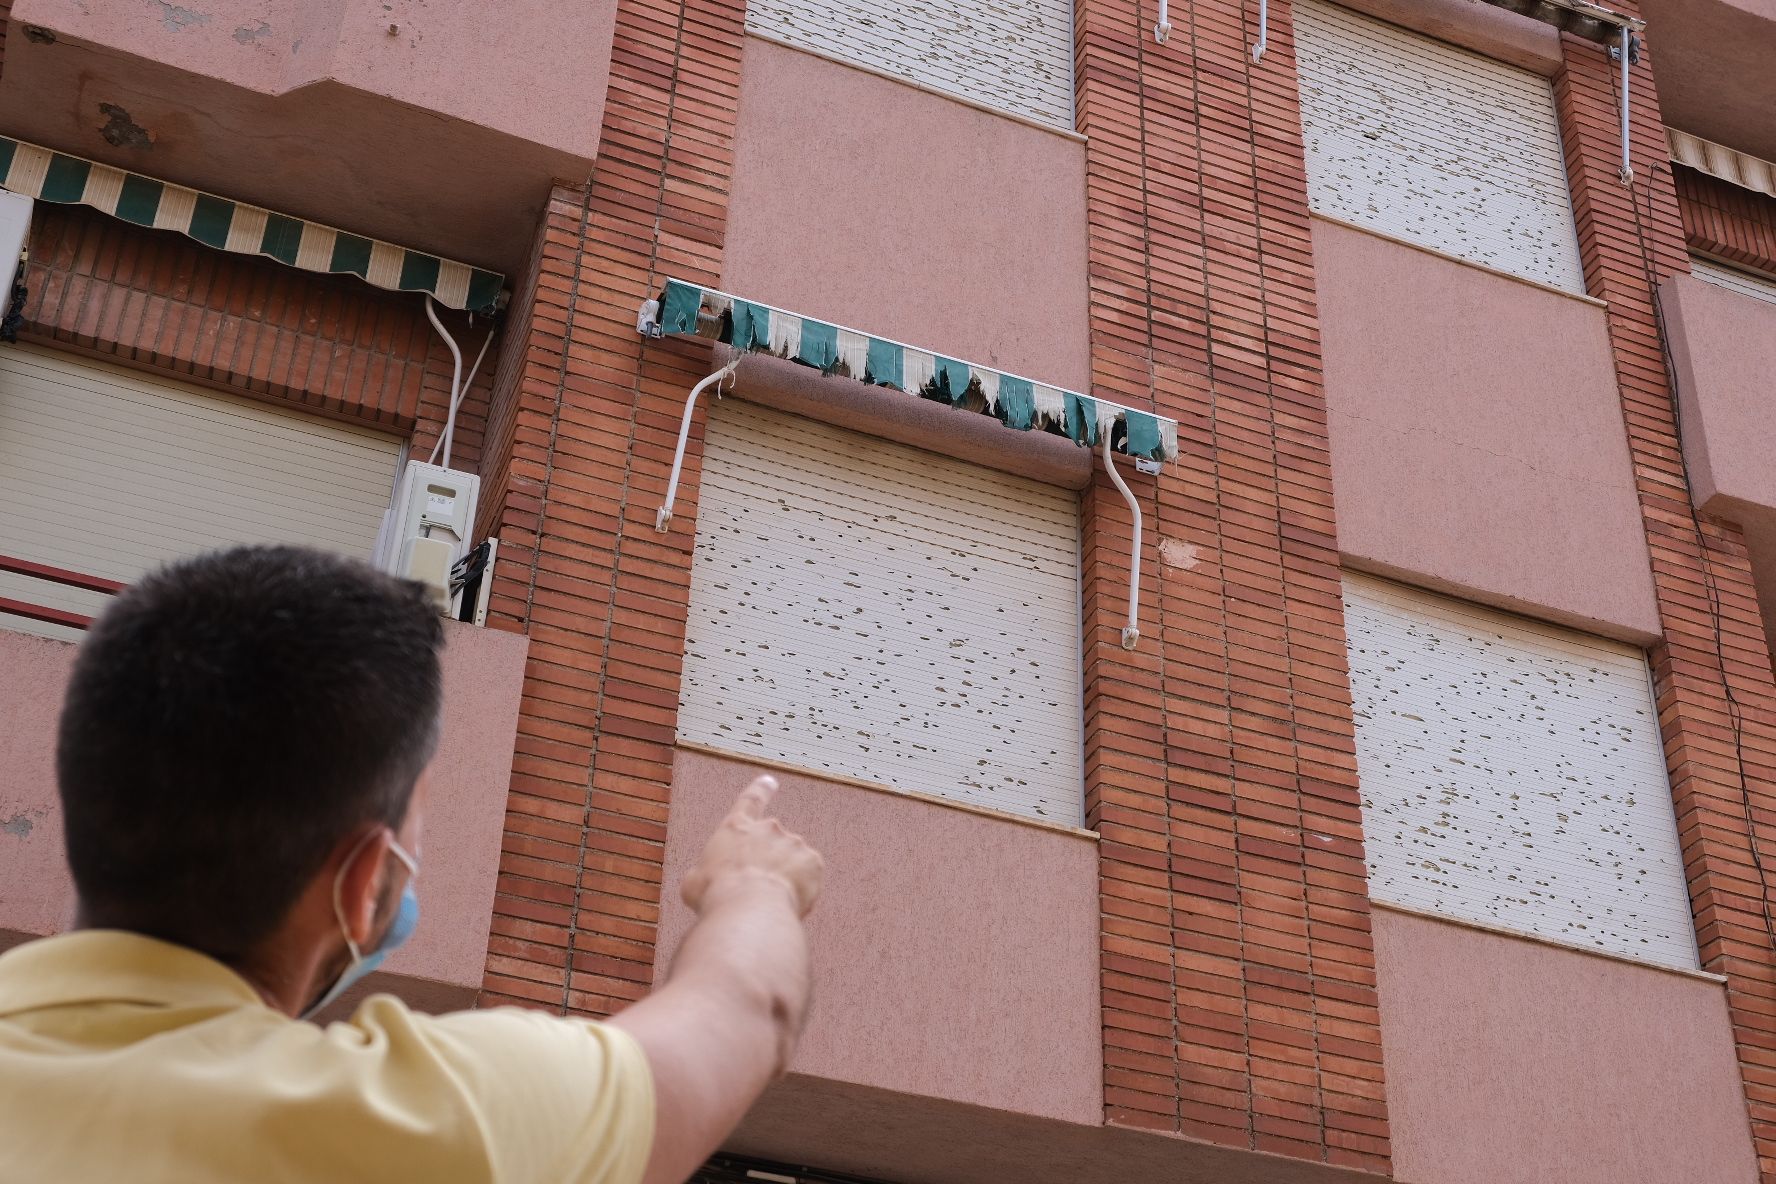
587	415
1725	220
1711	671
1239	985
332	345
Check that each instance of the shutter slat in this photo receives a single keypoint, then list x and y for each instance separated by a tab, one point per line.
1512	774
1758	287
1013	55
871	610
113	472
1434	144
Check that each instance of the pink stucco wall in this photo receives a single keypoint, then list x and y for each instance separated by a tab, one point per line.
36	895
444	135
1477	438
1714	70
1513	1062
1723	346
483	677
1476	25
935	223
955	955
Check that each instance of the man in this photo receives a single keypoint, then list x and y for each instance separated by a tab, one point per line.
241	765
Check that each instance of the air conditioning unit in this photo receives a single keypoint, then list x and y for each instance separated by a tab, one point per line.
15	232
425	534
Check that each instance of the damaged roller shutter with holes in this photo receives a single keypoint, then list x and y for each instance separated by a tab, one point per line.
1512	775
110	472
877	612
1433	144
1012	55
1734	279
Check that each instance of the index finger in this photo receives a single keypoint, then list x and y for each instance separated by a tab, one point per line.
755	799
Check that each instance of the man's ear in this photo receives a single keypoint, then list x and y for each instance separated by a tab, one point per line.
360	881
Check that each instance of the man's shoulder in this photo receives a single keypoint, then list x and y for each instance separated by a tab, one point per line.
514	1038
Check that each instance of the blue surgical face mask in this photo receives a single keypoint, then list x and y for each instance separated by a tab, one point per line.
405	922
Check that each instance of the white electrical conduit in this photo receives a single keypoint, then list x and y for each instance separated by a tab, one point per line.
455	370
1163	27
1627	52
1131	633
1263	31
448	437
664	518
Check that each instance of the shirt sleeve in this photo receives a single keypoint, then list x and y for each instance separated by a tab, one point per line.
558	1101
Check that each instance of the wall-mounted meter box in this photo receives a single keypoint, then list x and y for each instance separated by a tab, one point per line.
426	532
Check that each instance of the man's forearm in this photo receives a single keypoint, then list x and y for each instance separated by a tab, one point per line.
726	1021
747	955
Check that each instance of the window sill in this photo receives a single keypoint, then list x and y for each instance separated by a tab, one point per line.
1405	242
1541	940
830	777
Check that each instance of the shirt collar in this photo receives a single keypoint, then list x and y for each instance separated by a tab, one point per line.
112	966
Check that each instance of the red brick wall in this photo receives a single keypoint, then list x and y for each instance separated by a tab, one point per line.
594	417
1711	672
1239	986
1727	221
328	344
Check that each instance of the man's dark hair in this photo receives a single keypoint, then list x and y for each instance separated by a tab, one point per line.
230	718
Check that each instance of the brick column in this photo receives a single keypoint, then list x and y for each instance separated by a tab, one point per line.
586	417
1711	674
1239	986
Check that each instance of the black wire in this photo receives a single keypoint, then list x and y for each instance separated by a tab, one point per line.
1734	714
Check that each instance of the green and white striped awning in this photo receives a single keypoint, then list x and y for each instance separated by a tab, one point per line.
1021	403
235	226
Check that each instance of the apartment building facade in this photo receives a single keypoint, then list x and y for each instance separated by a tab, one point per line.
1247	530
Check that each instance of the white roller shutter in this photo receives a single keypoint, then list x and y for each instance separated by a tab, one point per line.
1439	146
1746	283
109	472
879	612
1512	775
1014	55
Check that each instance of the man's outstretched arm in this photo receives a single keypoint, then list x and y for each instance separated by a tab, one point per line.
726	1020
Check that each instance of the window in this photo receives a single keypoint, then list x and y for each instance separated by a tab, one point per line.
1435	145
1746	283
1512	775
111	472
878	612
1015	55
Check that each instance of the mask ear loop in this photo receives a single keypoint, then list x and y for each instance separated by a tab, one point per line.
411	862
338	887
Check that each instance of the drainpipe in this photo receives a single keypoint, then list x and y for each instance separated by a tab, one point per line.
1131	633
663	519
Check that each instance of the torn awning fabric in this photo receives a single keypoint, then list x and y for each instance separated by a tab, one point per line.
685	309
226	225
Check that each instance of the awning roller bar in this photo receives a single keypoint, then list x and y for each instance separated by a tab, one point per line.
689	310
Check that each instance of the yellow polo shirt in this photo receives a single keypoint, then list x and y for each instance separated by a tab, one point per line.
125	1058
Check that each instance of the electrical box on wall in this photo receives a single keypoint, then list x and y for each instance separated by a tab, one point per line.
425	535
15	232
